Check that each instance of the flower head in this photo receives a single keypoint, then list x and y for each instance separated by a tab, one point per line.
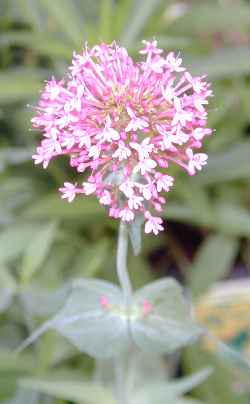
122	124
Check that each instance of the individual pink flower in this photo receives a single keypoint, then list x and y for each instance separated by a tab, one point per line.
153	224
122	124
106	198
196	161
163	182
68	191
144	149
135	122
127	215
122	152
150	48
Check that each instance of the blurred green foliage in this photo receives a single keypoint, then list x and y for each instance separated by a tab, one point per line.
45	242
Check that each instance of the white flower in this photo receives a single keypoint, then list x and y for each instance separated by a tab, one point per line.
164	182
199	133
153	224
123	152
174	63
168	92
135	123
126	215
181	116
83	139
108	134
68	191
135	202
95	151
89	187
196	161
144	149
105	198
127	188
145	166
146	192
69	141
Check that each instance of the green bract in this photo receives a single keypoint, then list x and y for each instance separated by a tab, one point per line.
96	319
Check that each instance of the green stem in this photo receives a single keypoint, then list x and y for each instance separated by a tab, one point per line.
120	380
123	276
121	262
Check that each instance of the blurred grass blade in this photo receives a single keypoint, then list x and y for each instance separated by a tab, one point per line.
187	401
43	44
106	8
232	164
92	258
233	219
7	288
52	206
67	16
223	63
212	262
9	361
122	10
15	240
37	250
30	11
230	355
23	396
20	84
211	17
81	392
188	383
14	156
142	11
230	219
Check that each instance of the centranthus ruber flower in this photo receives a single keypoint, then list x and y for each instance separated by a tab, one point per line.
122	124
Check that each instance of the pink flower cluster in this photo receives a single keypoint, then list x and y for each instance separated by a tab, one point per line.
122	123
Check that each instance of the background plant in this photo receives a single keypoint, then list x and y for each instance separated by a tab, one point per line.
44	242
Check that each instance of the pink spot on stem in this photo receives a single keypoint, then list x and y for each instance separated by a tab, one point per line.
147	307
104	302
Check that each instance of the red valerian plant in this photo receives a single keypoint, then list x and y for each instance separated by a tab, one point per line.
124	123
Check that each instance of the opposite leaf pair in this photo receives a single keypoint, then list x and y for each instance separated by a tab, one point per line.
98	321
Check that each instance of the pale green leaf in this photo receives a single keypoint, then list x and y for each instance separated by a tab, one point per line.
92	328
97	329
161	392
188	383
167	323
38	301
79	391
